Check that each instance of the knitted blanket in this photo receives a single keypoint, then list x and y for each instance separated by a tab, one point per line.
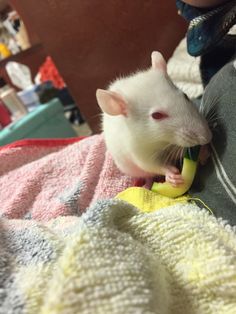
42	179
117	259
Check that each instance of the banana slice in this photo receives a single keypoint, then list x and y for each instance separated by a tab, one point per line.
188	173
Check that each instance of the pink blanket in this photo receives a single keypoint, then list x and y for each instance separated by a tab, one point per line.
42	179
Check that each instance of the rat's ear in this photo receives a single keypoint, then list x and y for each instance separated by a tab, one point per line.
158	61
111	103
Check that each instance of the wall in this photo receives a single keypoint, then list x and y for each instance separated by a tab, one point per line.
93	41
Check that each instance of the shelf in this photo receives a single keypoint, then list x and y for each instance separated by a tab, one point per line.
22	54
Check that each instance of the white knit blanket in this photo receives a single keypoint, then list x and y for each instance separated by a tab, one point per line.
184	71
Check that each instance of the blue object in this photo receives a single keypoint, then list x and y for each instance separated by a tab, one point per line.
47	121
208	26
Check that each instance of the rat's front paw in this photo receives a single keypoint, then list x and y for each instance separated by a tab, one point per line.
173	176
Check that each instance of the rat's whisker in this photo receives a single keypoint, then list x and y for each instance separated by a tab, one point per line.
156	155
170	155
209	102
211	115
213	101
214	117
166	154
212	109
204	102
173	154
179	154
209	98
207	106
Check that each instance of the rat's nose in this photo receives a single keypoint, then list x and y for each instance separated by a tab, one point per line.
200	137
205	137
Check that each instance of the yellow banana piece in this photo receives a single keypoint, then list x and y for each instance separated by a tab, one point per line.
188	173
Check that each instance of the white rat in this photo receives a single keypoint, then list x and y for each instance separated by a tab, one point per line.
144	116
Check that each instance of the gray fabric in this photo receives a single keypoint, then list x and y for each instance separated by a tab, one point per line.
216	185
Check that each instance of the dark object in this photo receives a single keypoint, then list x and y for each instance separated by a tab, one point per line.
192	153
208	26
46	92
16	24
75	115
65	97
215	59
2	82
207	35
5	116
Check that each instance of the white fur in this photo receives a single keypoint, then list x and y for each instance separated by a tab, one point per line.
135	140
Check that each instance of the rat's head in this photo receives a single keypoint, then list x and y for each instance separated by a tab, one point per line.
154	109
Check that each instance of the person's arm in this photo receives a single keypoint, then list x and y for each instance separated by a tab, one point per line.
204	3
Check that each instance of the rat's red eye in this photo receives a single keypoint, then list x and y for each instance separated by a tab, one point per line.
158	115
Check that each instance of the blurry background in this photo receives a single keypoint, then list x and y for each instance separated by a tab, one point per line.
72	47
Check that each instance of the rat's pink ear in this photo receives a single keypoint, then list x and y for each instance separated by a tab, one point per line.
111	103
158	61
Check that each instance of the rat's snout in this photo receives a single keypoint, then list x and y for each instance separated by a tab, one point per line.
206	138
199	132
188	138
195	128
202	137
205	135
203	140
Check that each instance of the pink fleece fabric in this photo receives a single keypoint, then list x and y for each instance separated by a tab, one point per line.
54	178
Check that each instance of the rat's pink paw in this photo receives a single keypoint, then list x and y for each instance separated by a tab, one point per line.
204	154
173	176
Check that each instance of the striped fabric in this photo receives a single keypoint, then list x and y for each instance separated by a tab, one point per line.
216	183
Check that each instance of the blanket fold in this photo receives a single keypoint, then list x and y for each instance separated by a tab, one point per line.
52	179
